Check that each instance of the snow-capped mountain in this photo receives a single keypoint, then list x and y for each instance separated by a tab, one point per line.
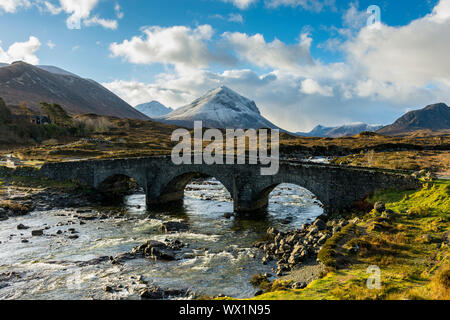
220	108
153	109
340	131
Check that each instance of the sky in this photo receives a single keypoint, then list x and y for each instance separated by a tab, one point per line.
304	62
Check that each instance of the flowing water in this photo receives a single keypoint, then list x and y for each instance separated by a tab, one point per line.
221	259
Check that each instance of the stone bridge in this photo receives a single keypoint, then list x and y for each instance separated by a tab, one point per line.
337	187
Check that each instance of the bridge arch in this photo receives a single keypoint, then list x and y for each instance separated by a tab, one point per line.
110	176
171	189
118	184
255	195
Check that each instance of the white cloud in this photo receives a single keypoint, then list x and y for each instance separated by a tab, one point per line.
442	11
107	24
118	10
11	6
241	4
21	51
232	17
310	86
275	54
183	47
236	17
52	8
311	5
384	71
50	44
354	18
79	12
403	58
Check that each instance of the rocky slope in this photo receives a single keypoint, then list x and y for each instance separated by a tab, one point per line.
22	82
433	117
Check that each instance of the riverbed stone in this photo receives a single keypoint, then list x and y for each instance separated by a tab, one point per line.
174	226
22	227
320	225
379	207
37	233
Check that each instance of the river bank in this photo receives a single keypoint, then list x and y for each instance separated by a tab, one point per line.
399	250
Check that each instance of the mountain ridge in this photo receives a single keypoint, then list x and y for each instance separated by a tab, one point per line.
433	117
22	82
220	108
339	131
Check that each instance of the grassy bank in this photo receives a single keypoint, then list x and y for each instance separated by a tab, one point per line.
409	243
19	182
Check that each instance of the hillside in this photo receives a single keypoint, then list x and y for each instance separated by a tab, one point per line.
434	117
22	82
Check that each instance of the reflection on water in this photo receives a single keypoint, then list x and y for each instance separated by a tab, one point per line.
220	257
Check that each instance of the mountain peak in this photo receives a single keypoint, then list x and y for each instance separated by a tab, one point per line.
220	108
432	117
436	106
153	109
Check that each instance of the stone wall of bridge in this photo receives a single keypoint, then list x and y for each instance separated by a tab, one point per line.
337	187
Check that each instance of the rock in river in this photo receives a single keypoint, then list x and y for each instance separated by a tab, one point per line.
37	233
173	226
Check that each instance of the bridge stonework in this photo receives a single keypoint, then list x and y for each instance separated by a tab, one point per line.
337	187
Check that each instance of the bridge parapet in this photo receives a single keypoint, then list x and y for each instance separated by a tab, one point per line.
337	187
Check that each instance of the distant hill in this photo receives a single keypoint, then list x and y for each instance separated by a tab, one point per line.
22	82
340	131
220	108
153	109
434	117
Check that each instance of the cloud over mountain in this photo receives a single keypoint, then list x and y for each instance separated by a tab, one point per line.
382	72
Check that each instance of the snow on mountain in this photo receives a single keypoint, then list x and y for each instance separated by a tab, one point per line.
153	109
220	108
340	131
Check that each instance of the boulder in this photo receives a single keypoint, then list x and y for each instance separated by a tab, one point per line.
153	293
173	226
320	225
379	207
298	285
22	227
162	254
37	233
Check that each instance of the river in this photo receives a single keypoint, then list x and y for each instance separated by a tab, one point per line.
219	254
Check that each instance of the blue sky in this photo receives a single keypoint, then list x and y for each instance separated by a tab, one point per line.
304	62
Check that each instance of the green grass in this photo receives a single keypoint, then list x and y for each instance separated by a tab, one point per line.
35	182
412	266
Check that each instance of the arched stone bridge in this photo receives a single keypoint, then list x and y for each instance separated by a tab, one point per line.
337	187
